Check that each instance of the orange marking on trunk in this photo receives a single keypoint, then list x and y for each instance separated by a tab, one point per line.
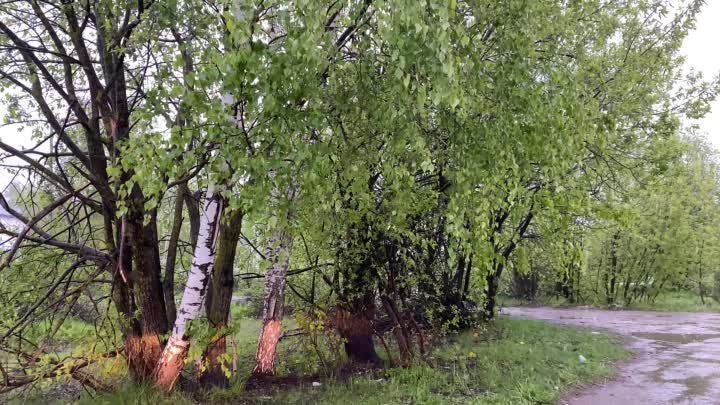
267	346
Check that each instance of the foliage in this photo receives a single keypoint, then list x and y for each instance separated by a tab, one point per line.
414	152
656	238
322	346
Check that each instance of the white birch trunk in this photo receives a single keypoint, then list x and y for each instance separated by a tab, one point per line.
173	357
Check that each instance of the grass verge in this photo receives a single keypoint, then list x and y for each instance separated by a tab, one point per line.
679	301
518	362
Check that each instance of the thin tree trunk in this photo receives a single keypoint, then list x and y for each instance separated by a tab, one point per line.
171	362
701	288
402	337
182	194
466	284
191	202
610	285
169	279
183	197
493	278
492	288
220	297
279	250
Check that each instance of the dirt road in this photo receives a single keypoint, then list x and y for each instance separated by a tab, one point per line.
677	362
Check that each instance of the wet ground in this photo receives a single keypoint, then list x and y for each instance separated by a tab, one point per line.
677	355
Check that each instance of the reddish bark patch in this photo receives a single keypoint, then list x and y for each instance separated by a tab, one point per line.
171	363
267	347
213	373
143	353
358	334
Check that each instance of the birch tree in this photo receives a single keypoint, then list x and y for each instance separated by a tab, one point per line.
173	356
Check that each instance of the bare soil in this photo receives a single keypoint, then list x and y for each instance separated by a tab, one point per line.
677	355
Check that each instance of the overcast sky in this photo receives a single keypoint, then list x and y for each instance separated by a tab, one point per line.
702	51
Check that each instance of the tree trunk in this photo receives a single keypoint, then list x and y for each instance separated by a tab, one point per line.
701	287
610	284
402	336
355	327
359	345
524	286
466	284
171	362
148	289
191	202
131	329
493	278
183	197
357	331
140	350
278	252
220	297
169	279
492	281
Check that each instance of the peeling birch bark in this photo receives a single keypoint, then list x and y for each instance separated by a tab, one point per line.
173	356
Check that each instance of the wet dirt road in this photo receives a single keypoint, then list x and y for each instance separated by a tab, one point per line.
677	355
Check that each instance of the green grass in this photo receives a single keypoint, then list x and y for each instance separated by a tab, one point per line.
505	301
554	302
513	362
678	302
72	331
137	395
